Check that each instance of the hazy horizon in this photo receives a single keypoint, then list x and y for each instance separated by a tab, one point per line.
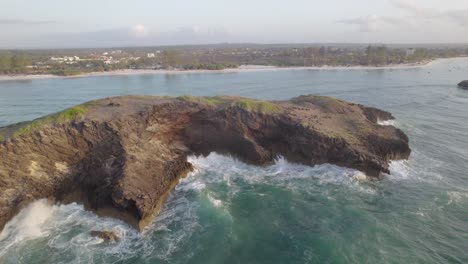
54	24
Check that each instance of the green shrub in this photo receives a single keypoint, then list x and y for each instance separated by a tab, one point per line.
257	105
214	100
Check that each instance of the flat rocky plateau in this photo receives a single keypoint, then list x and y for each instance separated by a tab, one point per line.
121	156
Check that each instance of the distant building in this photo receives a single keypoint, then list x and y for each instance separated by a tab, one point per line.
56	59
150	55
410	52
67	59
108	60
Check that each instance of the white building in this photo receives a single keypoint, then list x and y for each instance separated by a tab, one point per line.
56	59
410	52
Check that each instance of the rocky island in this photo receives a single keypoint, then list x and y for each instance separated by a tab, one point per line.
121	156
463	84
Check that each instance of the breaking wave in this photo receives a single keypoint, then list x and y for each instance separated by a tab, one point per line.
204	196
387	123
225	169
419	167
26	225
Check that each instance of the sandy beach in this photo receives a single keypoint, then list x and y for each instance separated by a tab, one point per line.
242	68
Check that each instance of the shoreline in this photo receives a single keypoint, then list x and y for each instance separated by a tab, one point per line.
242	68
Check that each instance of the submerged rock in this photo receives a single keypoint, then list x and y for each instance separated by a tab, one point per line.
121	156
463	84
107	236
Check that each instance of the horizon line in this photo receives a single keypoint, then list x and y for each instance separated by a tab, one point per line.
237	43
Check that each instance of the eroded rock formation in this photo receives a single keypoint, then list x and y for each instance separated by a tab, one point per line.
121	156
107	236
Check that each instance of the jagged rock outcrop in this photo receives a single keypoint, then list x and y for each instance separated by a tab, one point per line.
107	236
463	84
121	156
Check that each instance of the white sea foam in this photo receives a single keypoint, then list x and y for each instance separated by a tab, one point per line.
26	225
228	170
215	202
190	183
456	197
399	169
387	123
419	167
59	224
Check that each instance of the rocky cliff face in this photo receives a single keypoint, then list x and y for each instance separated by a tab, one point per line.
121	156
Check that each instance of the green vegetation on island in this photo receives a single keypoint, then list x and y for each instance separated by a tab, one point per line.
71	62
248	104
57	118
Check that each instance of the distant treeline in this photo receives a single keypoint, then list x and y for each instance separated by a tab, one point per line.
14	63
216	57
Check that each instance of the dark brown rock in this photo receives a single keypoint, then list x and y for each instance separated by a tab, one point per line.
121	156
463	84
107	236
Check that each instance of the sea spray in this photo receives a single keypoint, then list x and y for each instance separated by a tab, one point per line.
420	167
387	123
26	225
217	169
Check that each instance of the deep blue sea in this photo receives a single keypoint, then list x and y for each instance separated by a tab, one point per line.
230	212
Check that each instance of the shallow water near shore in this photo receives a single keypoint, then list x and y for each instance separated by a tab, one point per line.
230	212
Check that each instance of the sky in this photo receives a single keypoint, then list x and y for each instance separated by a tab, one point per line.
114	23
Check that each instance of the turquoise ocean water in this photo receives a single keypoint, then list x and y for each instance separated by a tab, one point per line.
230	212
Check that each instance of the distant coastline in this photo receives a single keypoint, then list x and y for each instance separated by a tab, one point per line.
242	68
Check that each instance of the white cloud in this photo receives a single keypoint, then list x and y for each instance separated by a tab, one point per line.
138	35
423	14
372	23
139	31
366	24
459	17
415	19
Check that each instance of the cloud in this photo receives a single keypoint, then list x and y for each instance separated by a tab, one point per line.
424	15
138	35
459	17
139	31
414	17
408	5
371	23
26	22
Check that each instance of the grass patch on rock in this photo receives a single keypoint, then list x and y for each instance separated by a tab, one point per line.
57	118
213	100
227	101
257	105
